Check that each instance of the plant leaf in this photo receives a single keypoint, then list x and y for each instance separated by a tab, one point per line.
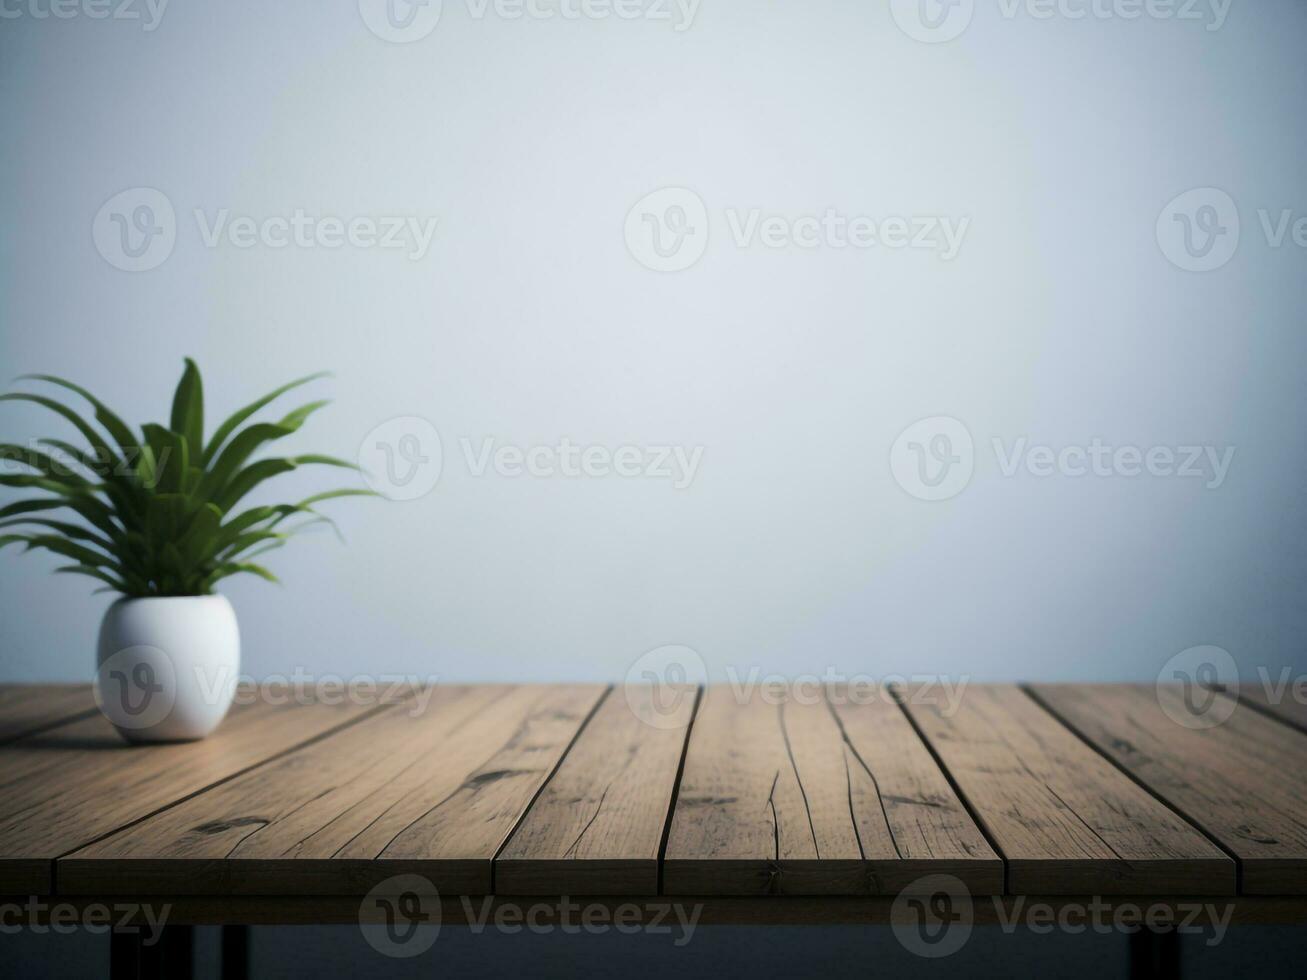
68	549
44	462
235	568
154	518
333	494
63	527
188	406
112	424
254	474
109	580
248	441
171	457
89	434
197	543
42	483
100	467
31	506
227	428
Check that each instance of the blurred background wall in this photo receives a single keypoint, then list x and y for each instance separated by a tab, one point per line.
976	215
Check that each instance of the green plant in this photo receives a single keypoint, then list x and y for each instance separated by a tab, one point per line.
158	511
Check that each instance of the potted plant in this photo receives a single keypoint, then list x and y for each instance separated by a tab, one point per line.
157	519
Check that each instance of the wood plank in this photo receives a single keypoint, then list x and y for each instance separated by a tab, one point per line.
807	797
29	708
69	785
1241	780
598	825
902	798
435	793
1287	705
1064	818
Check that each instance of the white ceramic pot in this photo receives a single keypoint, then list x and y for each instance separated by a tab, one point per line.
167	667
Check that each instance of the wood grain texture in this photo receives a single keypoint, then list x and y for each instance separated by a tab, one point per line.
29	708
1242	781
1065	819
597	827
832	796
910	821
69	785
434	793
809	797
1279	698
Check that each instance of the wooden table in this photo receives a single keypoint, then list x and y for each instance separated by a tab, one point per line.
813	806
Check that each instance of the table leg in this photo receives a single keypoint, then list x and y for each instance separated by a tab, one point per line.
1155	954
124	955
235	952
171	957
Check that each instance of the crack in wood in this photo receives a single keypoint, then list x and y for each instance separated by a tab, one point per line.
593	817
367	800
789	750
775	824
1025	767
1083	823
280	818
482	776
853	817
848	743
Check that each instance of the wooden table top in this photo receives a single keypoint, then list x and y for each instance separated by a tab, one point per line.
554	790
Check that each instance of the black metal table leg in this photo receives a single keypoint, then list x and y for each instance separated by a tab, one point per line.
169	957
124	955
1155	954
235	952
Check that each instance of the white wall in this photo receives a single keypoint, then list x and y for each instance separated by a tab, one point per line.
529	320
